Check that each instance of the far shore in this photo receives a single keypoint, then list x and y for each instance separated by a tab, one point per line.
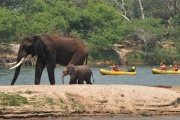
9	55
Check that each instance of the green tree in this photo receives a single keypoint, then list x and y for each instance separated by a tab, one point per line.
9	22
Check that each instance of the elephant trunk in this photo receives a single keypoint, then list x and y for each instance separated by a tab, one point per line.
64	73
19	62
16	74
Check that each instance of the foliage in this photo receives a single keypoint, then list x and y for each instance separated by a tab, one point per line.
135	58
158	57
99	23
9	22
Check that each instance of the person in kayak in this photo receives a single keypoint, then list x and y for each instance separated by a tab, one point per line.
115	68
163	66
175	66
132	69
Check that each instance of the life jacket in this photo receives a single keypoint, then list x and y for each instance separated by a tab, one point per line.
133	68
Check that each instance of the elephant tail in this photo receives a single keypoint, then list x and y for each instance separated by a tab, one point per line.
86	59
62	77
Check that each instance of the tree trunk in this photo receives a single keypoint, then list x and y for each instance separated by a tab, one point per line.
177	12
141	10
121	6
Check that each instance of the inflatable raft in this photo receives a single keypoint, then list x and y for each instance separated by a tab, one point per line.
157	71
109	72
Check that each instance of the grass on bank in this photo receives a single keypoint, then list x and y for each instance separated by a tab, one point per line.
7	99
75	102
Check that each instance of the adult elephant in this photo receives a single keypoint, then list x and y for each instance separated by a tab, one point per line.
50	50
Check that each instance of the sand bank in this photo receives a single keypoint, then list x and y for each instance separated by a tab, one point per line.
69	100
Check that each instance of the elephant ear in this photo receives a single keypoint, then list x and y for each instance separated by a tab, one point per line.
71	69
39	46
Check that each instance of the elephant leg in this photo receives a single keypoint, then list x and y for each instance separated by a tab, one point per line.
80	82
50	70
38	72
72	81
88	81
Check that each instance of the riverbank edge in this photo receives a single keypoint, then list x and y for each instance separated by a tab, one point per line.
88	100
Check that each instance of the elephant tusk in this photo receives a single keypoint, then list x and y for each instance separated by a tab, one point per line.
11	63
20	62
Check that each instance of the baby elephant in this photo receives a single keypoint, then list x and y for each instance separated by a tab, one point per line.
78	73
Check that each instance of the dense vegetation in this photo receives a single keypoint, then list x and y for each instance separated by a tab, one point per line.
99	23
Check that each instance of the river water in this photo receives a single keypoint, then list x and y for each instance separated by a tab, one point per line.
144	76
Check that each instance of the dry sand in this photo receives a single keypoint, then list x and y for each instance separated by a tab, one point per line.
69	100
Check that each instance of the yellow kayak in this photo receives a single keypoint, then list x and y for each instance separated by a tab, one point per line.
109	72
157	71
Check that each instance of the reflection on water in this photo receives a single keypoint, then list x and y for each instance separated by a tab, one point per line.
143	77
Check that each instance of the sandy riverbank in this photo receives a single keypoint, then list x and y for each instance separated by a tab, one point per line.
69	100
